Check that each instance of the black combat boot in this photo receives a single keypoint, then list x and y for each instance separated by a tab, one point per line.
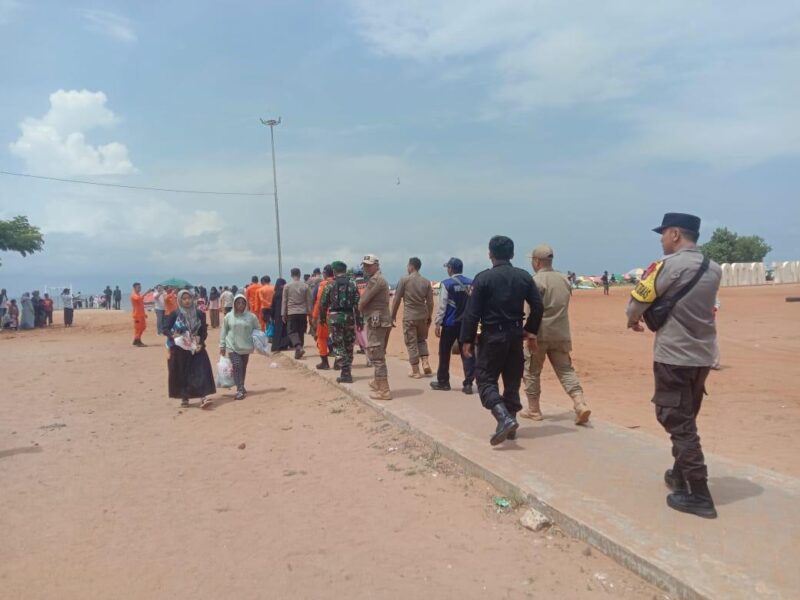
512	435
346	376
323	365
697	501
440	387
337	364
505	424
467	389
674	480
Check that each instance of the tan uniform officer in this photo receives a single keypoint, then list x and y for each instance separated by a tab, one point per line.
555	342
374	308
417	294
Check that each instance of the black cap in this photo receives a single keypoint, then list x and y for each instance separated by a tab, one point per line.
455	264
682	220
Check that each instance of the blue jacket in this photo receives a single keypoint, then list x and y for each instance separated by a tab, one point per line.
453	295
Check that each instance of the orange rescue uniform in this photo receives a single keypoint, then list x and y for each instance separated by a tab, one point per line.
251	293
266	293
139	316
322	330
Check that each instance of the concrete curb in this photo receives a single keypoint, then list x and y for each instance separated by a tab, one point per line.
645	567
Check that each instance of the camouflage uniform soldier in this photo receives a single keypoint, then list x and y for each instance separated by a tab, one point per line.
339	308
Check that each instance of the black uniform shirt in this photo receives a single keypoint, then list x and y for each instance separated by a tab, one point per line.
498	302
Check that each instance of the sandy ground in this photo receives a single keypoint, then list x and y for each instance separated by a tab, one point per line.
109	490
752	412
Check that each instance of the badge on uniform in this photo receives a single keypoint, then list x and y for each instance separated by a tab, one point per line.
645	290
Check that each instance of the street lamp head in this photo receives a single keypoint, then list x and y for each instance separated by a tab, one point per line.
271	122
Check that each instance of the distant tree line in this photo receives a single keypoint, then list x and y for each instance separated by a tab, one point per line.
726	246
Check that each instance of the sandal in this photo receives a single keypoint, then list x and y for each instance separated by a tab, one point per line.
205	403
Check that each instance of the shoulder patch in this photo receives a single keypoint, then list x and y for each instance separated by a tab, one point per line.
645	290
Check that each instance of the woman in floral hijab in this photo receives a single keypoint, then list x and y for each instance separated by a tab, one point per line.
189	367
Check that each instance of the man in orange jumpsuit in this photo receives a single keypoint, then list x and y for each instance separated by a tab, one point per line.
251	293
139	316
170	302
322	328
265	295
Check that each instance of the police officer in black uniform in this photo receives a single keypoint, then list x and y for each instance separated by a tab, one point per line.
497	302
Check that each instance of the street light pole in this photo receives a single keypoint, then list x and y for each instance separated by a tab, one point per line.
271	123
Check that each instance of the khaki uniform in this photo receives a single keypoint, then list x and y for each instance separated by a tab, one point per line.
554	340
417	294
374	308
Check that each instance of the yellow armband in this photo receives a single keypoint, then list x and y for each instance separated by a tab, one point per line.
645	290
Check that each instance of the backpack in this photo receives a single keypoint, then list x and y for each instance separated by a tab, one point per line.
340	300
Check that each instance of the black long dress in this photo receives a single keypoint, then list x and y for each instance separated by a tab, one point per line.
280	337
190	375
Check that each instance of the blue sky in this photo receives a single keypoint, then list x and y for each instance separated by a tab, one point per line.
577	124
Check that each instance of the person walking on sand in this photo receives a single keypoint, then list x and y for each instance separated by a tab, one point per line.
251	293
296	311
158	307
374	308
453	296
236	341
604	279
675	298
213	306
554	339
497	304
47	308
139	316
280	340
117	298
338	308
266	295
226	300
69	307
189	367
416	293
320	323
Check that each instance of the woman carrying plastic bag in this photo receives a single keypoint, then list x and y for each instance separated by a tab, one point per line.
236	341
225	373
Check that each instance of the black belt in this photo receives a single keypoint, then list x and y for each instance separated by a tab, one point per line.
507	326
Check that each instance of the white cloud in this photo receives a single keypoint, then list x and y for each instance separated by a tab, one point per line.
709	83
202	222
56	144
112	25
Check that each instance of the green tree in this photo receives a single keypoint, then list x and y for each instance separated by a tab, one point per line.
726	246
18	235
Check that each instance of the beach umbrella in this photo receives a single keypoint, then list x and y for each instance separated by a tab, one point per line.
176	282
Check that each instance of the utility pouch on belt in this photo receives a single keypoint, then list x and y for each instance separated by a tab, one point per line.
658	313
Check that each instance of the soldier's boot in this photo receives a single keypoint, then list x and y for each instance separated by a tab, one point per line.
383	392
346	376
674	479
533	412
324	365
426	366
373	385
415	374
505	424
582	411
697	501
337	364
512	435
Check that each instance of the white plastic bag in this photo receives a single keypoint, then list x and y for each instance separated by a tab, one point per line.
261	343
225	373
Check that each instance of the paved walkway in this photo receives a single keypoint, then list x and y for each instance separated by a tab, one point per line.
603	484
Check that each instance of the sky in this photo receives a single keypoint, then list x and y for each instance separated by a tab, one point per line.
413	128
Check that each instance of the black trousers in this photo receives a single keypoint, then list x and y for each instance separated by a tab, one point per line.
500	359
678	397
448	338
296	328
